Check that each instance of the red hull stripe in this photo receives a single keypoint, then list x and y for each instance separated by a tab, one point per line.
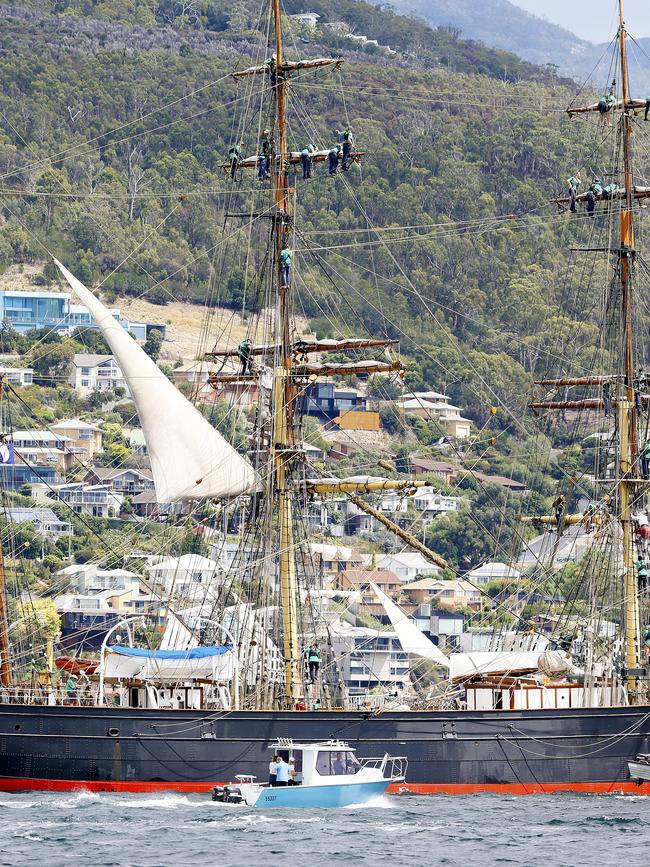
14	784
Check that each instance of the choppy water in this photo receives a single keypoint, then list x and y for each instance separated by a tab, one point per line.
162	830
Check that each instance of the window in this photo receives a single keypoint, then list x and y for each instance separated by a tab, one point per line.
330	764
85	383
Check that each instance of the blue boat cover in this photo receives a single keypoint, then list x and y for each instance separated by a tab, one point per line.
193	653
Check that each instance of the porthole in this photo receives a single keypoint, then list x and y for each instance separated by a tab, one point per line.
113	733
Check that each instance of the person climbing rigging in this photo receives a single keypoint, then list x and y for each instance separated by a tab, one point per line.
574	182
264	158
305	159
286	261
607	398
645	460
333	159
641	574
244	352
606	103
346	139
647	109
594	192
559	508
313	660
234	156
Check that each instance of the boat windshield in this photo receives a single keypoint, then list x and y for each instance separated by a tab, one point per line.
330	764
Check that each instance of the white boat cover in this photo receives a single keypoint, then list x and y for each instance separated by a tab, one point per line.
412	640
189	458
493	662
209	663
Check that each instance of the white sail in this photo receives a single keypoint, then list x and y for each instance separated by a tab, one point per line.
189	458
412	640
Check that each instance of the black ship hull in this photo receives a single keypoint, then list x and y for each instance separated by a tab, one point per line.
119	749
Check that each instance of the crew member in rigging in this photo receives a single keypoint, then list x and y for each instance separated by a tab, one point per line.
574	182
333	159
313	661
234	156
286	261
346	139
607	398
244	352
594	192
265	157
305	159
606	103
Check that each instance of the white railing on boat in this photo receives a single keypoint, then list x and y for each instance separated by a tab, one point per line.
392	767
24	695
370	702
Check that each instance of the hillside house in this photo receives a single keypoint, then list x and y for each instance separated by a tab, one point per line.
434	406
408	565
95	501
183	575
84	439
448	594
371	660
43	520
121	480
95	373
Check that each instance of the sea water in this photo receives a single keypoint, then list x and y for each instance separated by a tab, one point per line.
54	829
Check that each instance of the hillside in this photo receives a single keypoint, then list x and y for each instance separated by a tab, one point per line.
446	150
501	24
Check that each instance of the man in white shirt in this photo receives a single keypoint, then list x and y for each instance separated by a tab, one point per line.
281	772
273	769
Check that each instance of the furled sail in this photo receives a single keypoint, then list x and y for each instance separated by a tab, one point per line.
189	458
412	640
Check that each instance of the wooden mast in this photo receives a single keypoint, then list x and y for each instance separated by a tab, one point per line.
283	397
628	446
5	654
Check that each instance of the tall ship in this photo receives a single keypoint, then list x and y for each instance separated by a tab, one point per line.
549	703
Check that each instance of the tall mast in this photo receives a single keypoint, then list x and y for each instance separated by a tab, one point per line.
5	657
283	396
628	446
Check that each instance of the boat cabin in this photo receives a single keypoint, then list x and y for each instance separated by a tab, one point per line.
320	763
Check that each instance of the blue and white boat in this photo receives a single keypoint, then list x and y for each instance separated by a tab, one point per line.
326	774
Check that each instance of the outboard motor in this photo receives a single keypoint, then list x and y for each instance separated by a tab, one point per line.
218	793
232	795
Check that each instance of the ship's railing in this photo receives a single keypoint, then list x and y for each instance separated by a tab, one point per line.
369	702
392	767
26	695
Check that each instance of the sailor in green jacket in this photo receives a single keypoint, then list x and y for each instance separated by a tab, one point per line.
234	155
574	182
286	261
333	159
313	660
605	105
244	351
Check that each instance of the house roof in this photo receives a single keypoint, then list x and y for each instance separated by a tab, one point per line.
42	435
494	570
105	474
378	576
74	424
188	562
335	552
410	559
44	515
83	359
425	395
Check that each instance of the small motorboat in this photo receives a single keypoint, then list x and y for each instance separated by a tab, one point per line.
324	774
640	768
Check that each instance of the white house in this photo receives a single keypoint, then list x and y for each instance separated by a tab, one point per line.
88	577
370	659
492	572
408	565
430	504
434	406
184	574
18	375
95	373
96	501
42	519
309	19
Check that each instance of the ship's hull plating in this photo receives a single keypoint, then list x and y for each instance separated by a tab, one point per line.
120	749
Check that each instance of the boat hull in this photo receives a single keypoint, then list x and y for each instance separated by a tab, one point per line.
455	752
320	797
